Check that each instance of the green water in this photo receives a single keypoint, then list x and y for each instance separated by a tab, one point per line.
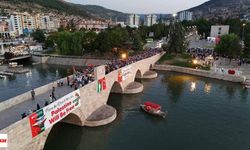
204	114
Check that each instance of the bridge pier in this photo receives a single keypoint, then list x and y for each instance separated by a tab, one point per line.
133	88
102	116
150	75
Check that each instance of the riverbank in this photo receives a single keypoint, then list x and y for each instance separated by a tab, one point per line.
203	73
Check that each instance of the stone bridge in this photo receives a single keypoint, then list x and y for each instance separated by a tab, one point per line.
92	103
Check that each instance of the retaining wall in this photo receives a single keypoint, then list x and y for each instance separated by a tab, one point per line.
203	73
62	60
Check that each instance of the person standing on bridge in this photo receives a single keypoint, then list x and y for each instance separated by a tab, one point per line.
53	95
50	99
33	94
68	80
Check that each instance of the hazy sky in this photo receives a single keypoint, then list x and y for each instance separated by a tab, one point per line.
143	6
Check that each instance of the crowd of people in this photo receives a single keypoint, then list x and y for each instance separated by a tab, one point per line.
200	53
119	63
81	78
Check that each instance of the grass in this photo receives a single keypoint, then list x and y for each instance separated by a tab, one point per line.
54	52
166	57
181	60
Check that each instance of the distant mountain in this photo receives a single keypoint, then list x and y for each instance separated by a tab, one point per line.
102	12
60	6
222	9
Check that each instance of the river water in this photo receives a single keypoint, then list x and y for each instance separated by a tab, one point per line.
38	75
203	114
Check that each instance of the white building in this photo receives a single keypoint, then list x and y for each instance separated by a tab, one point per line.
185	15
134	20
219	30
121	23
22	21
16	24
150	20
47	22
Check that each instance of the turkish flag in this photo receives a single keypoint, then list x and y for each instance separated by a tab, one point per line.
104	83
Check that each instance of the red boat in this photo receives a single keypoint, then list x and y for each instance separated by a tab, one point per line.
153	109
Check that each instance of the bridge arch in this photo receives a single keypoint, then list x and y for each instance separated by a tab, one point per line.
116	87
74	119
151	67
138	74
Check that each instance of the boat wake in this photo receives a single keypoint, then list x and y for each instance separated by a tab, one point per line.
131	110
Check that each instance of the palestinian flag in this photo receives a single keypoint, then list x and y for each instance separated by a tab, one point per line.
37	120
99	87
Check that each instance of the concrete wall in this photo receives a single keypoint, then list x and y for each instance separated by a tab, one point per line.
19	133
60	60
203	73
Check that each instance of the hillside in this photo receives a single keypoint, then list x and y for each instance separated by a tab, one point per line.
60	6
222	9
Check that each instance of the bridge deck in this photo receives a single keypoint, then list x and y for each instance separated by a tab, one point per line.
13	114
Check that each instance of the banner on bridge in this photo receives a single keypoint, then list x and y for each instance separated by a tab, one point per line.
124	73
46	117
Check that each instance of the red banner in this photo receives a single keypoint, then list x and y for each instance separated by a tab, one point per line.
120	75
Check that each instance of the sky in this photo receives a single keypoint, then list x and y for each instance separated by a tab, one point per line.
143	6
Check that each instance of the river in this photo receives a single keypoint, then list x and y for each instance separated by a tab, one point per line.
38	75
203	114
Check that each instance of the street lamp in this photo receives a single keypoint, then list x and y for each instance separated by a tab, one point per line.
243	32
195	61
174	15
124	56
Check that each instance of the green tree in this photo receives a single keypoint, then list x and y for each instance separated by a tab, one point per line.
89	38
247	39
138	43
39	36
102	42
229	46
176	42
235	26
203	27
71	26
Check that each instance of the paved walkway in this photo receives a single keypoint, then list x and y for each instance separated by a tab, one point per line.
225	63
13	114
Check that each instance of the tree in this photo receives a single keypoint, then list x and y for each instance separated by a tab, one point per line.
49	42
235	26
61	29
137	42
176	42
71	26
39	36
102	42
247	40
203	27
88	39
165	47
229	45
